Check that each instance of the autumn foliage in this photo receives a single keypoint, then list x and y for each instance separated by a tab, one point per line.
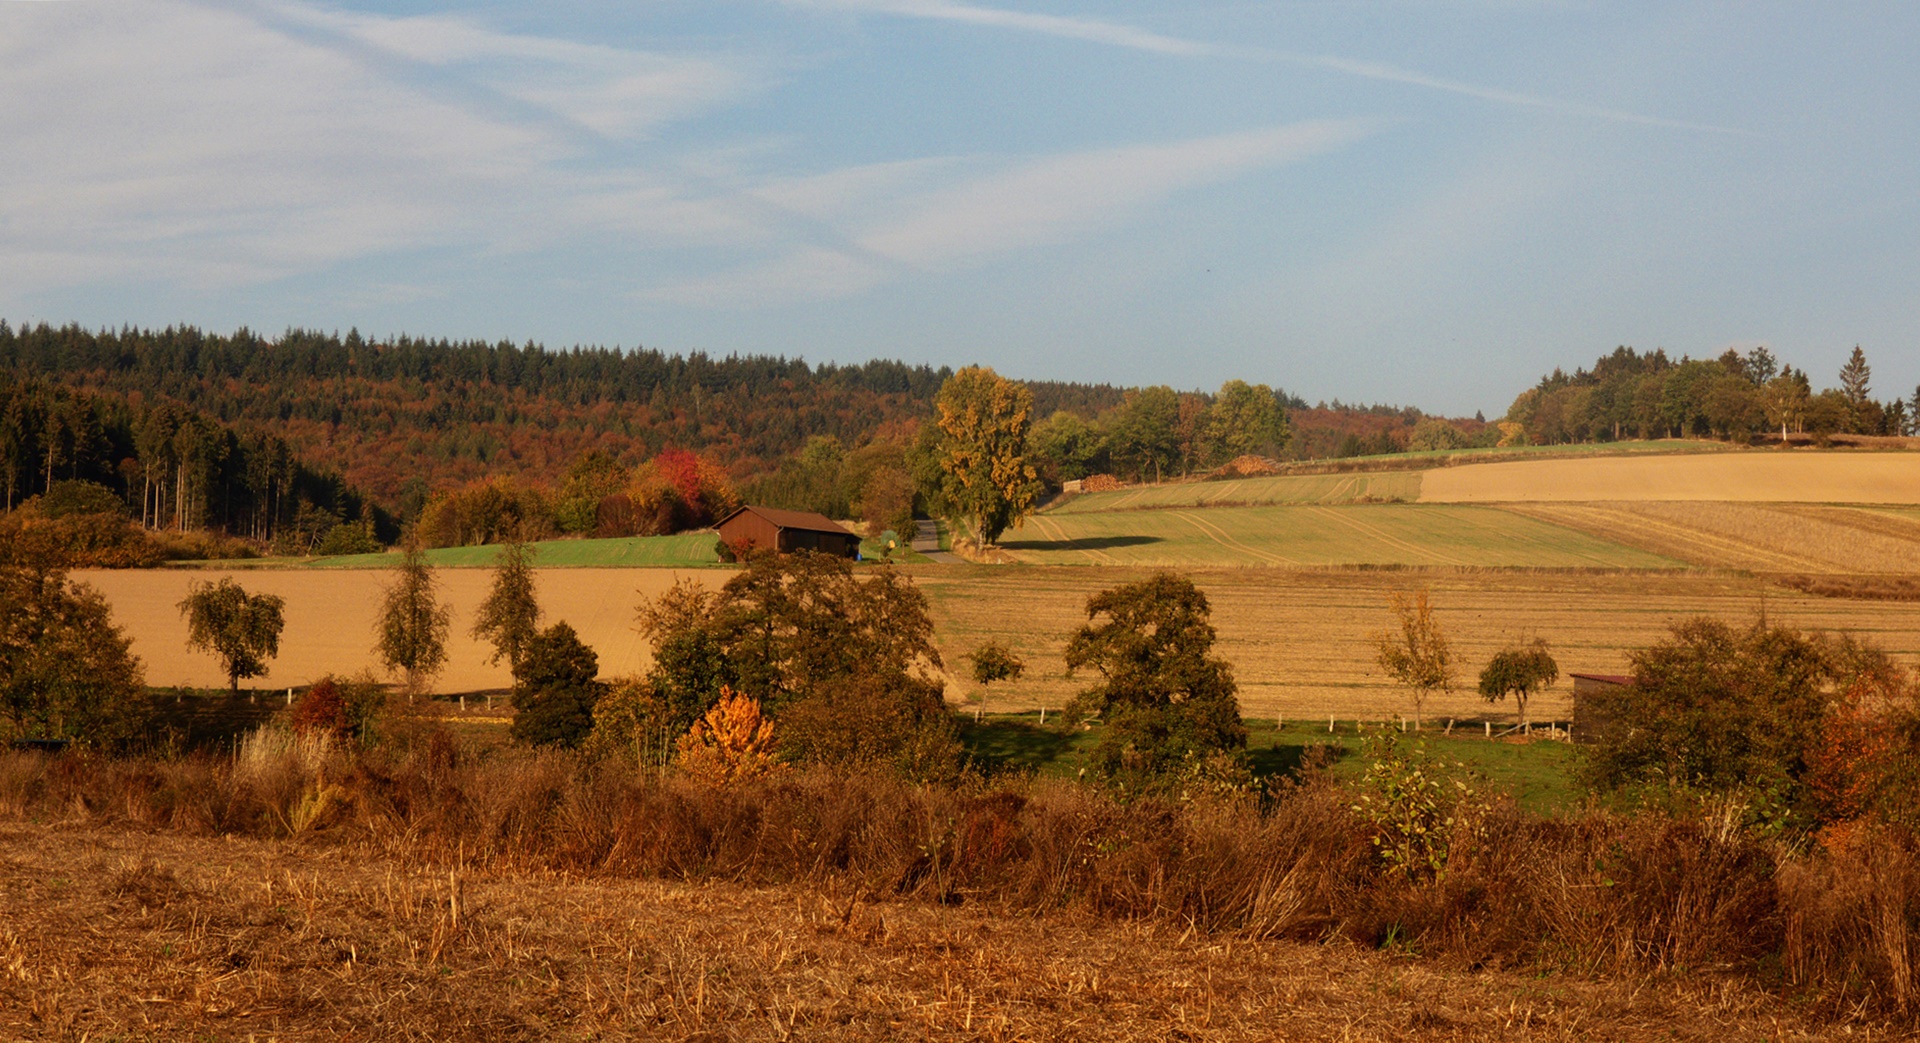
731	742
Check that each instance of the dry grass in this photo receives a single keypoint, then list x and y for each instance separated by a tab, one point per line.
1299	640
532	896
112	933
1802	476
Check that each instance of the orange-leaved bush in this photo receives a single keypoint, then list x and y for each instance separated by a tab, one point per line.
731	742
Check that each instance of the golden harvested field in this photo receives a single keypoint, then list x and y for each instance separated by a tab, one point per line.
1799	476
330	616
142	935
1778	537
1299	640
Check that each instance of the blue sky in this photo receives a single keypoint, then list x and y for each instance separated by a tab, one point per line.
1427	202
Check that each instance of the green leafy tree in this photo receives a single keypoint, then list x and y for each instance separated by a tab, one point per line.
846	666
1521	671
242	629
1727	709
690	662
1245	419
510	616
555	691
1416	654
1784	400
1432	434
1143	433
994	662
1065	447
1165	699
984	421
66	671
411	635
591	478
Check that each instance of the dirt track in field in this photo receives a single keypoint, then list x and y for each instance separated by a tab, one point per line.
330	617
1800	476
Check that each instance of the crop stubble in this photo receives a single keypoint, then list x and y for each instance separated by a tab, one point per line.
140	934
1300	640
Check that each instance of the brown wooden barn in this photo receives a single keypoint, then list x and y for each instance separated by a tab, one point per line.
787	531
1587	718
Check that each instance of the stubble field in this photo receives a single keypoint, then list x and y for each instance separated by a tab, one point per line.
151	935
1300	641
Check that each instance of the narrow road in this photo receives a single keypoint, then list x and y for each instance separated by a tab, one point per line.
926	540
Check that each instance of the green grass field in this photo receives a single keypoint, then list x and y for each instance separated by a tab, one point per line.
686	549
1540	775
1303	535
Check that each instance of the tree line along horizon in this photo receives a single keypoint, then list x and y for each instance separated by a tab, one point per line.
206	445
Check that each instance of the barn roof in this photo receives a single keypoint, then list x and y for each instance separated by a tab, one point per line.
1622	679
805	520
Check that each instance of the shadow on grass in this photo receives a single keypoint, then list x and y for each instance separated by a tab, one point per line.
1017	744
1083	543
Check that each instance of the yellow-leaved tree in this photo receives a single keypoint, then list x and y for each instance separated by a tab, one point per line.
730	743
984	420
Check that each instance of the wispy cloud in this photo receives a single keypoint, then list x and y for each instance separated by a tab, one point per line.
210	145
1089	29
1117	34
932	216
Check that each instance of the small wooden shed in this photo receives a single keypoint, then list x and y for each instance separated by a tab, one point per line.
787	531
1589	719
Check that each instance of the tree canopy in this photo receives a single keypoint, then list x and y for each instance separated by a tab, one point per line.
1416	654
242	629
845	666
555	690
984	419
1162	694
411	634
66	671
1761	710
510	616
1520	671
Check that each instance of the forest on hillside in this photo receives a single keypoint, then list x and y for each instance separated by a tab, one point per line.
401	422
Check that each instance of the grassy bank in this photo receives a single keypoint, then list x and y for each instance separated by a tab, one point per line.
1537	773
